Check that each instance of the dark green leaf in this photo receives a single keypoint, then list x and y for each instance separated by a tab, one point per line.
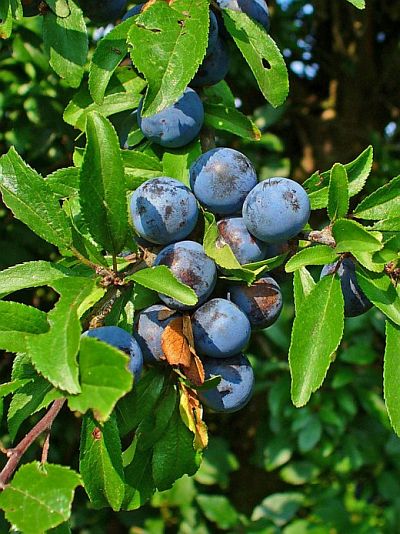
17	322
382	203
102	185
64	182
381	292
104	378
338	193
279	508
168	43
262	55
139	480
391	374
350	236
39	497
32	201
219	510
314	255
229	119
100	463
162	280
317	331
65	40
54	353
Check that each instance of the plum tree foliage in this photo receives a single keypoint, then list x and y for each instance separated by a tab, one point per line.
150	268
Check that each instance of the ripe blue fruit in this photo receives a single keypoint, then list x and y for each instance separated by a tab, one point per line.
122	340
212	34
177	125
190	264
220	329
261	302
163	210
246	248
221	179
135	10
276	210
149	330
235	387
256	9
355	302
214	67
30	8
102	10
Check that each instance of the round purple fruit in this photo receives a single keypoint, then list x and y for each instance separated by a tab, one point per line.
221	179
122	340
355	302
176	125
235	387
163	210
102	10
246	248
190	264
150	325
261	302
214	67
220	329
276	210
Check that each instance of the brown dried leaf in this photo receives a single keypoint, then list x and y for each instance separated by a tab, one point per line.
165	314
192	415
195	371
188	331
174	344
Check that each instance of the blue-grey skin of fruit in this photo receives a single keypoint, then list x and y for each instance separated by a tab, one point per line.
355	302
276	249
220	329
221	179
256	9
122	340
102	10
163	210
177	125
190	264
246	248
261	302
214	67
276	210
212	34
135	10
30	8
149	329
235	387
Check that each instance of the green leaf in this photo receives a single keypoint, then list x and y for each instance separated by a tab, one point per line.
39	497
219	510
59	7
104	378
54	353
100	463
303	284
18	321
65	41
162	280
11	387
314	255
32	201
6	19
37	393
262	55
110	51
168	43
388	225
82	105
174	455
229	119
382	203
139	168
140	402
391	375
279	508
317	186
219	93
139	480
338	193
102	185
380	290
350	236
317	331
360	4
64	182
177	162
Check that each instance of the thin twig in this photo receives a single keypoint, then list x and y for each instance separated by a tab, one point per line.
46	446
15	454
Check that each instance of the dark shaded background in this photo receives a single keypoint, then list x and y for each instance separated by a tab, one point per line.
333	466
